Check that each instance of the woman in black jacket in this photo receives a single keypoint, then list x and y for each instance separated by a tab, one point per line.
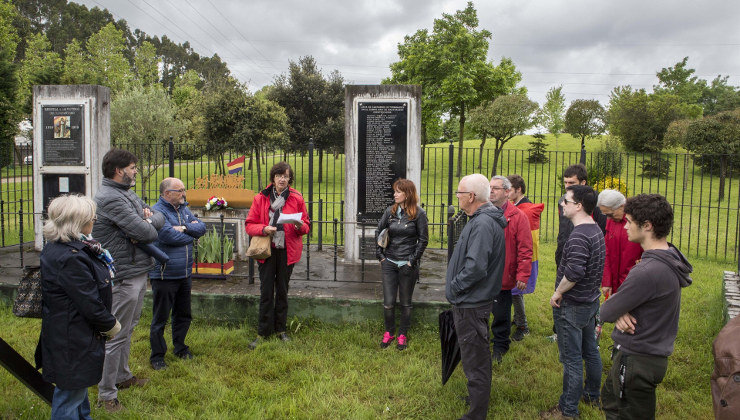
407	230
76	278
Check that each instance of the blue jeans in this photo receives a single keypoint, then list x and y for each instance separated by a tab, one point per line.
70	404
574	325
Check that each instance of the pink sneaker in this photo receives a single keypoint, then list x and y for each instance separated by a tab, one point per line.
401	342
387	339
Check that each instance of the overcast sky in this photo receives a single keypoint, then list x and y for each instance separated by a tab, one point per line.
588	46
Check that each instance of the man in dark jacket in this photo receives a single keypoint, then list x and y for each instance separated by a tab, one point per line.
123	220
645	311
518	265
171	282
473	278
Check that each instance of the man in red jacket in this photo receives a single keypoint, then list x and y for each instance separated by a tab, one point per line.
517	265
621	254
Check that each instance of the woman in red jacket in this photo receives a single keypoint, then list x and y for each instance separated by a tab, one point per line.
278	198
621	254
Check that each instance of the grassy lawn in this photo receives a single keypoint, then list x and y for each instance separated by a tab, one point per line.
339	371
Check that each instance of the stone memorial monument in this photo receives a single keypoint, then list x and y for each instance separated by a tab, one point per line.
382	143
71	133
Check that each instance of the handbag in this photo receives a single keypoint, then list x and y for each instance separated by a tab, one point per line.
383	238
27	302
259	247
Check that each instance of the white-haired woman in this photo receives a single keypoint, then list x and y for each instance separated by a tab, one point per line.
621	254
76	278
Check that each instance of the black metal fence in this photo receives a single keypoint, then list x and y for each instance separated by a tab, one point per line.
704	226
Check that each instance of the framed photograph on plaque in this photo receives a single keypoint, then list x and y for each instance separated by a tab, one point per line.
63	135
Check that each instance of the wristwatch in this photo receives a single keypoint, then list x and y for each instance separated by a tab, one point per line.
184	228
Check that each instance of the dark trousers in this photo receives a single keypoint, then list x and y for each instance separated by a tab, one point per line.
501	327
471	325
274	277
170	295
398	281
629	389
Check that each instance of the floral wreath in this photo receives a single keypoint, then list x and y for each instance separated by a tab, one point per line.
216	203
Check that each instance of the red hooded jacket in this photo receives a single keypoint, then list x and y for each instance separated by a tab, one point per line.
259	215
518	239
621	255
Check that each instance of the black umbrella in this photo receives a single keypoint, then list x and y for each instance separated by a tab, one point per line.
450	348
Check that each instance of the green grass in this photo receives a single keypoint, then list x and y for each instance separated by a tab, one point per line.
338	371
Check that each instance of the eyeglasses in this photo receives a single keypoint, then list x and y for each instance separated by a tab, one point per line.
498	188
282	176
181	190
570	201
463	192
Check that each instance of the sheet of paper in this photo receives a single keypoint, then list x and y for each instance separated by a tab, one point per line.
63	184
289	217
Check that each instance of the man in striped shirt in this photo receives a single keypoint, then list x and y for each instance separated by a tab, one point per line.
576	302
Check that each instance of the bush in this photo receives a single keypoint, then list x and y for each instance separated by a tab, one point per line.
6	152
537	150
656	166
612	183
607	162
209	248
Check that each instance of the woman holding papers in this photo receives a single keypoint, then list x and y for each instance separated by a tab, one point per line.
407	229
274	205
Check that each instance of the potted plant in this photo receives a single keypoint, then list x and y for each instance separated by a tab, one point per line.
209	255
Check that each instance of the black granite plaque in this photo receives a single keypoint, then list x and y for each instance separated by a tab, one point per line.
229	230
63	135
381	144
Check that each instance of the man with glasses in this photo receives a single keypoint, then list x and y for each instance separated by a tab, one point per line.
575	304
123	220
171	282
473	279
517	266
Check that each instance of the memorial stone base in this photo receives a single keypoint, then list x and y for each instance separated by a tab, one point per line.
233	226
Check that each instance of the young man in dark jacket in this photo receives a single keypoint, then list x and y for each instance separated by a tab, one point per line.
473	279
123	219
645	311
171	283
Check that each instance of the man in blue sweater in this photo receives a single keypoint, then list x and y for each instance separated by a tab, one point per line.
474	276
171	282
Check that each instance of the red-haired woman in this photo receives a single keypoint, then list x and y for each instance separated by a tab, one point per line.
407	238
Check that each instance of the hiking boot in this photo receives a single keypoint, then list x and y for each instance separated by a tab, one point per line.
595	403
497	356
402	340
387	340
185	355
555	413
159	365
132	381
520	333
253	345
553	338
111	406
284	337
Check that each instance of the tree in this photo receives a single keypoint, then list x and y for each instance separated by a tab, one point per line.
502	119
553	111
40	66
640	119
585	119
314	105
146	64
719	96
144	118
110	66
451	65
77	67
8	83
679	80
264	123
717	136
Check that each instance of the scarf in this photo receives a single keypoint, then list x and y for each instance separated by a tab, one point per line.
277	201
101	253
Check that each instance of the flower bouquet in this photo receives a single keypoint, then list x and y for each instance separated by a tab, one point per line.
216	203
